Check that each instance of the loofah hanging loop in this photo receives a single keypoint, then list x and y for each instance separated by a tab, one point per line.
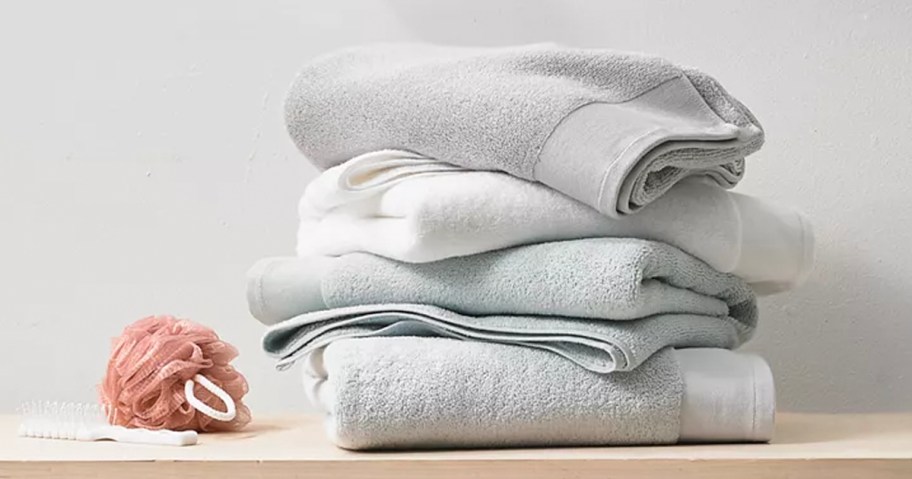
158	362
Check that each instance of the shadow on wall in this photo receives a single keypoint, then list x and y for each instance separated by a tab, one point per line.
492	23
841	342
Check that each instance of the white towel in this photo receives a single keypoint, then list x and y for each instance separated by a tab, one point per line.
415	209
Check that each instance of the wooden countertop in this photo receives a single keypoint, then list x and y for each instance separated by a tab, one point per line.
829	446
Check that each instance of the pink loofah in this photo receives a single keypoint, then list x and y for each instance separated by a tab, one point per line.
151	361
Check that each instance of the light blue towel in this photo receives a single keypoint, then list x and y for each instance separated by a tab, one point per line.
605	303
394	393
382	393
598	278
597	345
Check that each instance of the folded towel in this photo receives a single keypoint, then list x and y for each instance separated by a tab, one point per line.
613	130
386	393
597	345
602	278
411	208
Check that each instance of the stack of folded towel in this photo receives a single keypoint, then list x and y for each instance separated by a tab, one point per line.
526	246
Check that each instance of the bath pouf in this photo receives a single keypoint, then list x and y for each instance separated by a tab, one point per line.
171	373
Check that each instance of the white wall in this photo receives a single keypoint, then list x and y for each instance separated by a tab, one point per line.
144	166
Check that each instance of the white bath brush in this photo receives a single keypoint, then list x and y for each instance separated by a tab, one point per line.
87	422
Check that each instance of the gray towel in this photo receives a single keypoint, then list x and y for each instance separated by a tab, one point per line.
597	345
412	393
601	278
613	130
434	393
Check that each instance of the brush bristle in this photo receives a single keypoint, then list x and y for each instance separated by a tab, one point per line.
59	420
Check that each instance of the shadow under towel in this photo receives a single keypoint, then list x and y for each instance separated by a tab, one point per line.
613	130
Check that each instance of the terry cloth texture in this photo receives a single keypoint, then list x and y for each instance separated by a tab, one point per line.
595	344
392	393
414	209
611	129
599	278
382	393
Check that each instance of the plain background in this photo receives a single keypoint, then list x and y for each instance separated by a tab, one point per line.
144	166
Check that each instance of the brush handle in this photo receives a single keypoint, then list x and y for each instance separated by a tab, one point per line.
164	437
